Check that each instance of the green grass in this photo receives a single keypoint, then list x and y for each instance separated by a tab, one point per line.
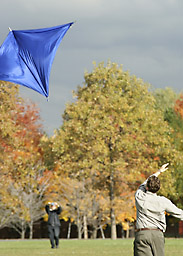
107	247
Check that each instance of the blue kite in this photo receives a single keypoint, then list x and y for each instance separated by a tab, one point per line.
26	56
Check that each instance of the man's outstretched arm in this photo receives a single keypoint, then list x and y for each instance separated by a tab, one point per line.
163	168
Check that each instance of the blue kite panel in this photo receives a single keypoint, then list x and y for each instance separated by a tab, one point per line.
26	56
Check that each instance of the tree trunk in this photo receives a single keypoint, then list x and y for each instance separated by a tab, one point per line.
127	233
23	230
69	230
94	233
113	225
128	230
102	232
85	227
111	194
31	230
112	213
79	228
23	234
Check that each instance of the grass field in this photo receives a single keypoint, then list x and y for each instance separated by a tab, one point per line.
120	247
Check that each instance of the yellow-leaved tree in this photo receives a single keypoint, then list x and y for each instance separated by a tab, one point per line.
114	134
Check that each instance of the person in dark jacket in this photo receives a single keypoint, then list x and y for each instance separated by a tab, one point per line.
53	210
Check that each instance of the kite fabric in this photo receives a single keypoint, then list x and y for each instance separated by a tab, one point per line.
26	56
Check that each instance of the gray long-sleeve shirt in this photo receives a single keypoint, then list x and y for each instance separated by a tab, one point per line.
151	209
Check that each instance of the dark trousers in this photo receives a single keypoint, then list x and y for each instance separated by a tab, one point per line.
53	233
149	243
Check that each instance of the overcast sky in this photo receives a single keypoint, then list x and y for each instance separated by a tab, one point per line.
145	36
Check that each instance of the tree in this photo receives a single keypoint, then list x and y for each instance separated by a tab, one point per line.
8	102
25	199
5	215
171	105
114	133
48	154
179	106
81	204
21	160
175	119
165	98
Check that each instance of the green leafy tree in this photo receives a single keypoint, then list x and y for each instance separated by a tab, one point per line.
171	105
165	98
174	117
113	133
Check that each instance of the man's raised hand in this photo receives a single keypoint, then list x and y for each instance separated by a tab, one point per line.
164	167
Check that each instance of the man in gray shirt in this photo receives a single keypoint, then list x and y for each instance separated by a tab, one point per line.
151	222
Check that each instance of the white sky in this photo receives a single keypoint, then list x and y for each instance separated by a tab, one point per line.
144	35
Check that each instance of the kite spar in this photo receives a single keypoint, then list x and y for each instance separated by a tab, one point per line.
26	56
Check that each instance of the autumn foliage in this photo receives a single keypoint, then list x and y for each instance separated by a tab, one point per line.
179	106
23	175
114	135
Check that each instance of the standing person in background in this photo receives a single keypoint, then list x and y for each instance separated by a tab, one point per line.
53	210
151	221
